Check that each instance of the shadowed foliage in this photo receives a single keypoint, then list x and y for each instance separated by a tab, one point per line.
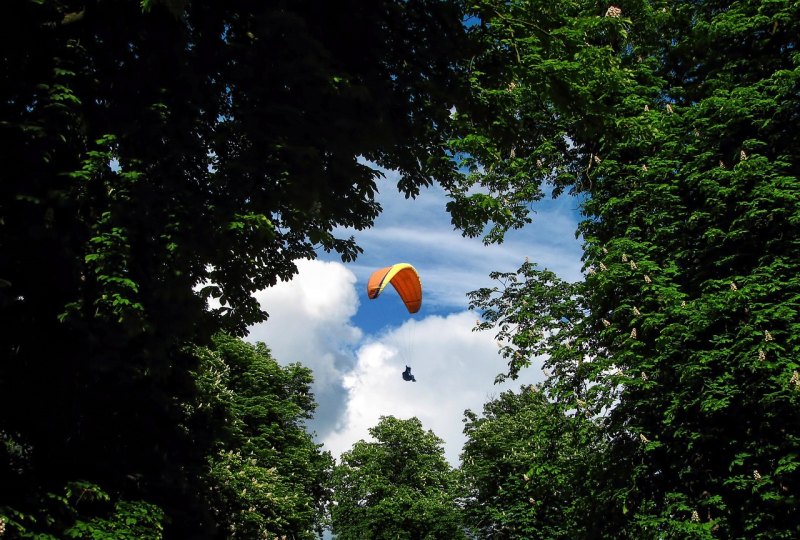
158	154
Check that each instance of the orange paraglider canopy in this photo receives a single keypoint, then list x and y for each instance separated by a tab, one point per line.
405	280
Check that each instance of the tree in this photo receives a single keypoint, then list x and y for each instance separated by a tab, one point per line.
84	510
399	486
678	122
533	470
157	154
702	312
266	475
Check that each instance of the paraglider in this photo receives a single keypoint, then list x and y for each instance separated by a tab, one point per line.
404	279
407	376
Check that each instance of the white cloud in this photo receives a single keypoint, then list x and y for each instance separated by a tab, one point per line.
358	378
454	367
358	351
311	322
420	232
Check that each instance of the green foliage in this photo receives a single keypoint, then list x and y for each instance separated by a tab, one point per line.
132	521
533	471
84	511
158	154
535	313
400	486
262	474
545	73
680	126
266	476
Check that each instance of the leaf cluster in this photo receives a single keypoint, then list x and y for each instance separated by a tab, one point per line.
399	486
162	161
687	316
532	470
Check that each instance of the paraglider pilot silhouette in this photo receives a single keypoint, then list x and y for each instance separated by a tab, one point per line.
405	280
407	376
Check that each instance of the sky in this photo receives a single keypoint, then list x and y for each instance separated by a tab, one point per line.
358	348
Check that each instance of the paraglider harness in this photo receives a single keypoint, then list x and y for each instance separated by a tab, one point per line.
407	376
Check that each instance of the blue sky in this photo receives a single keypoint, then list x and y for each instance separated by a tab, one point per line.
358	347
419	232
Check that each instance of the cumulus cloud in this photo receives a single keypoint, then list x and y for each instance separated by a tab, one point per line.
311	322
357	376
454	367
357	348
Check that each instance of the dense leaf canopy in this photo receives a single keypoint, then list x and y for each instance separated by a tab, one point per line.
158	154
679	124
532	471
398	486
266	476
